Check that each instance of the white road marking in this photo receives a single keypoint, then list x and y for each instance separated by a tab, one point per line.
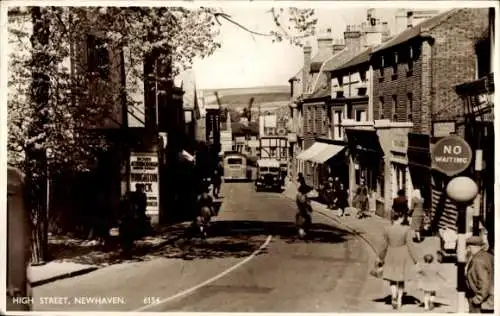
215	278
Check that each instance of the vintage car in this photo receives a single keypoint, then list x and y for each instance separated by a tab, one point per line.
268	174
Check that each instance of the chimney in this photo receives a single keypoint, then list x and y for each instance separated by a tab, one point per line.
307	67
401	20
325	40
337	46
352	37
386	33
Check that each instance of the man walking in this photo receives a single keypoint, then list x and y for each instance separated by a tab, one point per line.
479	277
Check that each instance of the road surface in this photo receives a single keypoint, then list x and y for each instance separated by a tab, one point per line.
228	273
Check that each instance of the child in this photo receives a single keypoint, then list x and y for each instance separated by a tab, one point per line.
428	281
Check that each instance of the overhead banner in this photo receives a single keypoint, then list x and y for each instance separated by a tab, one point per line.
144	169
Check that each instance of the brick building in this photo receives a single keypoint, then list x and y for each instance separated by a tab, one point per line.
415	74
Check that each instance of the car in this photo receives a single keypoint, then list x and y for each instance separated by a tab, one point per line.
268	175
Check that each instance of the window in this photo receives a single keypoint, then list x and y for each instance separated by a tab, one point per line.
410	62
362	75
337	121
234	161
362	91
395	66
283	152
340	94
97	56
394	106
360	115
410	106
382	65
381	108
272	151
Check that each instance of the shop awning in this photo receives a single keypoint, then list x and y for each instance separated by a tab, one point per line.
312	151
327	153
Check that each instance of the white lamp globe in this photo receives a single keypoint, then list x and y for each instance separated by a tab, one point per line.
462	189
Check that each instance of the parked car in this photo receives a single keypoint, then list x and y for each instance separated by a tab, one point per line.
268	175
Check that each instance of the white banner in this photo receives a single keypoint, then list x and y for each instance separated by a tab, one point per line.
144	169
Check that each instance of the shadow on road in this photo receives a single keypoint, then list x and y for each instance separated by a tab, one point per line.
407	300
226	239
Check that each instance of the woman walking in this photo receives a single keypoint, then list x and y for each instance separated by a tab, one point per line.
303	216
418	214
395	257
342	199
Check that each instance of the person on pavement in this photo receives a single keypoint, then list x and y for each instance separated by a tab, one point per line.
330	193
429	279
216	182
395	255
342	199
303	216
362	202
400	206
417	214
479	276
206	211
127	222
139	201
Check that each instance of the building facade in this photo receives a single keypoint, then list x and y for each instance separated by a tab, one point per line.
414	78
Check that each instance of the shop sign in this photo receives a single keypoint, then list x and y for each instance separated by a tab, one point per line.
451	155
144	170
443	129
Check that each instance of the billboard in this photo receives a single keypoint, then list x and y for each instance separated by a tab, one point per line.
144	169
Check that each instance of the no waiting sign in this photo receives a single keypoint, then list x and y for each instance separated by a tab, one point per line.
451	155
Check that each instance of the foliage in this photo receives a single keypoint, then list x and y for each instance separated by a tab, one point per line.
79	98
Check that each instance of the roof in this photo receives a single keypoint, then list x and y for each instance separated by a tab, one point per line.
416	31
339	59
359	59
318	60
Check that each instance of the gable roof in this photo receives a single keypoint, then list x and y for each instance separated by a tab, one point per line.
417	30
318	60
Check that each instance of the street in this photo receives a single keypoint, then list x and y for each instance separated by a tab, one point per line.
227	273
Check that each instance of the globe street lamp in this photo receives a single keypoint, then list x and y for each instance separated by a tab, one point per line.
462	190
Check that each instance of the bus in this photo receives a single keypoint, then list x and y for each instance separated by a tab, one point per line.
235	166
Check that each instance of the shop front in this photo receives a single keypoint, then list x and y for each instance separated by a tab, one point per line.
366	163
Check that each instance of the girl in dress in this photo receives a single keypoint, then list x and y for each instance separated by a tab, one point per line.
429	278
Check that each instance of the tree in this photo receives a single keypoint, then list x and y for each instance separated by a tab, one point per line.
54	98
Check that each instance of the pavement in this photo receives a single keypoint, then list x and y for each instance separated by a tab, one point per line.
251	262
370	230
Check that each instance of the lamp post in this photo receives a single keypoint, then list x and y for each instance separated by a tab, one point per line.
462	190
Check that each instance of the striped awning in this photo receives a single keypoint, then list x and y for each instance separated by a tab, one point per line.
312	151
327	153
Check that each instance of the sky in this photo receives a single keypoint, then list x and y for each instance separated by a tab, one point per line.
246	60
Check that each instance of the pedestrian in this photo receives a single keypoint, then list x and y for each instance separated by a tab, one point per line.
479	277
330	193
417	214
372	202
303	216
126	224
216	182
428	279
395	256
342	199
362	202
400	205
139	202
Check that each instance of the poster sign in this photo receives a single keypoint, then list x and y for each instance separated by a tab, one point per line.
144	169
451	155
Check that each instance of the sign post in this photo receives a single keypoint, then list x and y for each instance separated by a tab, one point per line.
452	155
